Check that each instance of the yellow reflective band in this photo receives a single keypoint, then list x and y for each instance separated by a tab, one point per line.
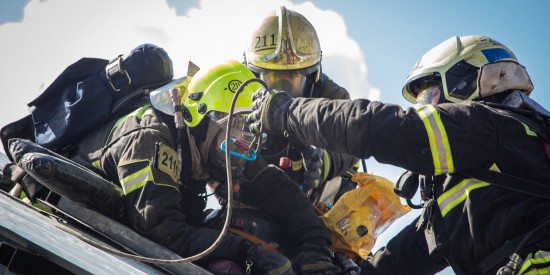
326	164
529	131
540	258
97	164
439	143
456	195
538	271
139	113
297	165
136	180
147	109
526	265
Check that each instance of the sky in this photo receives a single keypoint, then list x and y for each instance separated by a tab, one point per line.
368	47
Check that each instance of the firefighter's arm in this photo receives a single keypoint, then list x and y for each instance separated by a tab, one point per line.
405	253
427	139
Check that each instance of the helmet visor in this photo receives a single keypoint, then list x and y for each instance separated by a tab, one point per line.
422	83
291	82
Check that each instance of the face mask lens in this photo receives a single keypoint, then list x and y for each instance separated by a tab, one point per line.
239	127
292	83
421	84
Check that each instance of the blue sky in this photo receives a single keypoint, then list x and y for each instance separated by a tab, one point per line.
368	46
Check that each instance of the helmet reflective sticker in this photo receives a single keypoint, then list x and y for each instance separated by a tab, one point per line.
495	54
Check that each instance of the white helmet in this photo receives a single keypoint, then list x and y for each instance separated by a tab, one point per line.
468	68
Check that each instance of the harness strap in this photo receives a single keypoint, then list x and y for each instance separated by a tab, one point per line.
513	246
253	239
510	182
498	255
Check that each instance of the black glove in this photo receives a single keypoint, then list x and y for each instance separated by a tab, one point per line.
316	163
258	260
317	166
315	259
269	111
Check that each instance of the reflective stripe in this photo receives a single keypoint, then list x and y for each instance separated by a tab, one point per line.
541	257
326	165
97	164
456	195
139	113
529	265
297	165
136	180
529	131
439	143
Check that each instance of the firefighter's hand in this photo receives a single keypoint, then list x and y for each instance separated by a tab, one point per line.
315	259
316	163
258	260
317	166
269	111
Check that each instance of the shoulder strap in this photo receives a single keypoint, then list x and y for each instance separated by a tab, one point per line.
253	239
510	182
187	161
537	120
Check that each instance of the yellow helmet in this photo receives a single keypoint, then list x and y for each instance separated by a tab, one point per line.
285	49
458	62
211	90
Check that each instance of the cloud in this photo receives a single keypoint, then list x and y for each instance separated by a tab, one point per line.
53	34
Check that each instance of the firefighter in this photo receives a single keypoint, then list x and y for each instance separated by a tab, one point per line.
285	52
165	194
463	123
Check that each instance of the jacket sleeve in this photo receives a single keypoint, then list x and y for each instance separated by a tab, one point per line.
145	165
406	253
466	136
340	162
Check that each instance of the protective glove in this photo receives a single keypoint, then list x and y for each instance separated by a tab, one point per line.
316	163
315	259
317	166
258	260
269	111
